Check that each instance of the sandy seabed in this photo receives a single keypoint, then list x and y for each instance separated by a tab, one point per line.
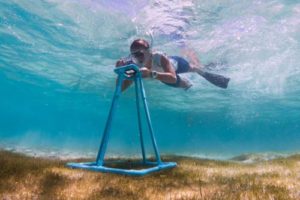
24	177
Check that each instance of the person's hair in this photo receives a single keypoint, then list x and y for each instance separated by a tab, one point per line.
138	43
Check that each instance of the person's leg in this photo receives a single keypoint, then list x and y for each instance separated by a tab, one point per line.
182	67
185	83
180	83
191	55
196	66
194	62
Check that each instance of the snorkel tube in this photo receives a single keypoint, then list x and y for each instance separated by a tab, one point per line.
150	33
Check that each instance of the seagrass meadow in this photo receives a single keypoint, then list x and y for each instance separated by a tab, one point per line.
23	177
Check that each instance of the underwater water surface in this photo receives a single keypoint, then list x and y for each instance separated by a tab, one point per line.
57	81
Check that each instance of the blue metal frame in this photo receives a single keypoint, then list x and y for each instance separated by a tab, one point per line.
127	72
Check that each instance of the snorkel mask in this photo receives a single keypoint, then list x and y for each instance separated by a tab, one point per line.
138	57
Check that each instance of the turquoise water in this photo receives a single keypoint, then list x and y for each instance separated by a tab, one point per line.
57	81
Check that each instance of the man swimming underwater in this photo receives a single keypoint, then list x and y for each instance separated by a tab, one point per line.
157	65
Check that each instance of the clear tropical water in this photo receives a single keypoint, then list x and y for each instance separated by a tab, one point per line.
57	81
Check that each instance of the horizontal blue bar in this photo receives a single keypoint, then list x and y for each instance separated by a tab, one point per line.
134	172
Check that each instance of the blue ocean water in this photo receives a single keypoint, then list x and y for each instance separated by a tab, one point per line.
56	76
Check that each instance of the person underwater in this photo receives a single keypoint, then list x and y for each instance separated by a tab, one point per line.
167	69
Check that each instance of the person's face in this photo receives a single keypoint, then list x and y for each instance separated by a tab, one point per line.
139	55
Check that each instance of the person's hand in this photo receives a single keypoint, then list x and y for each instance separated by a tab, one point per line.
120	63
145	72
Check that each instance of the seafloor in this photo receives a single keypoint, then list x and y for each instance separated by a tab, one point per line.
23	177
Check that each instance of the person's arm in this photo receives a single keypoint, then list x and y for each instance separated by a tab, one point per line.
126	83
169	75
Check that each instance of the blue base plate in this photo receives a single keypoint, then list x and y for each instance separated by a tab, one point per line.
134	172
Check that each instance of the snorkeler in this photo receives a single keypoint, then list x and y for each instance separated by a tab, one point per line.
157	65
